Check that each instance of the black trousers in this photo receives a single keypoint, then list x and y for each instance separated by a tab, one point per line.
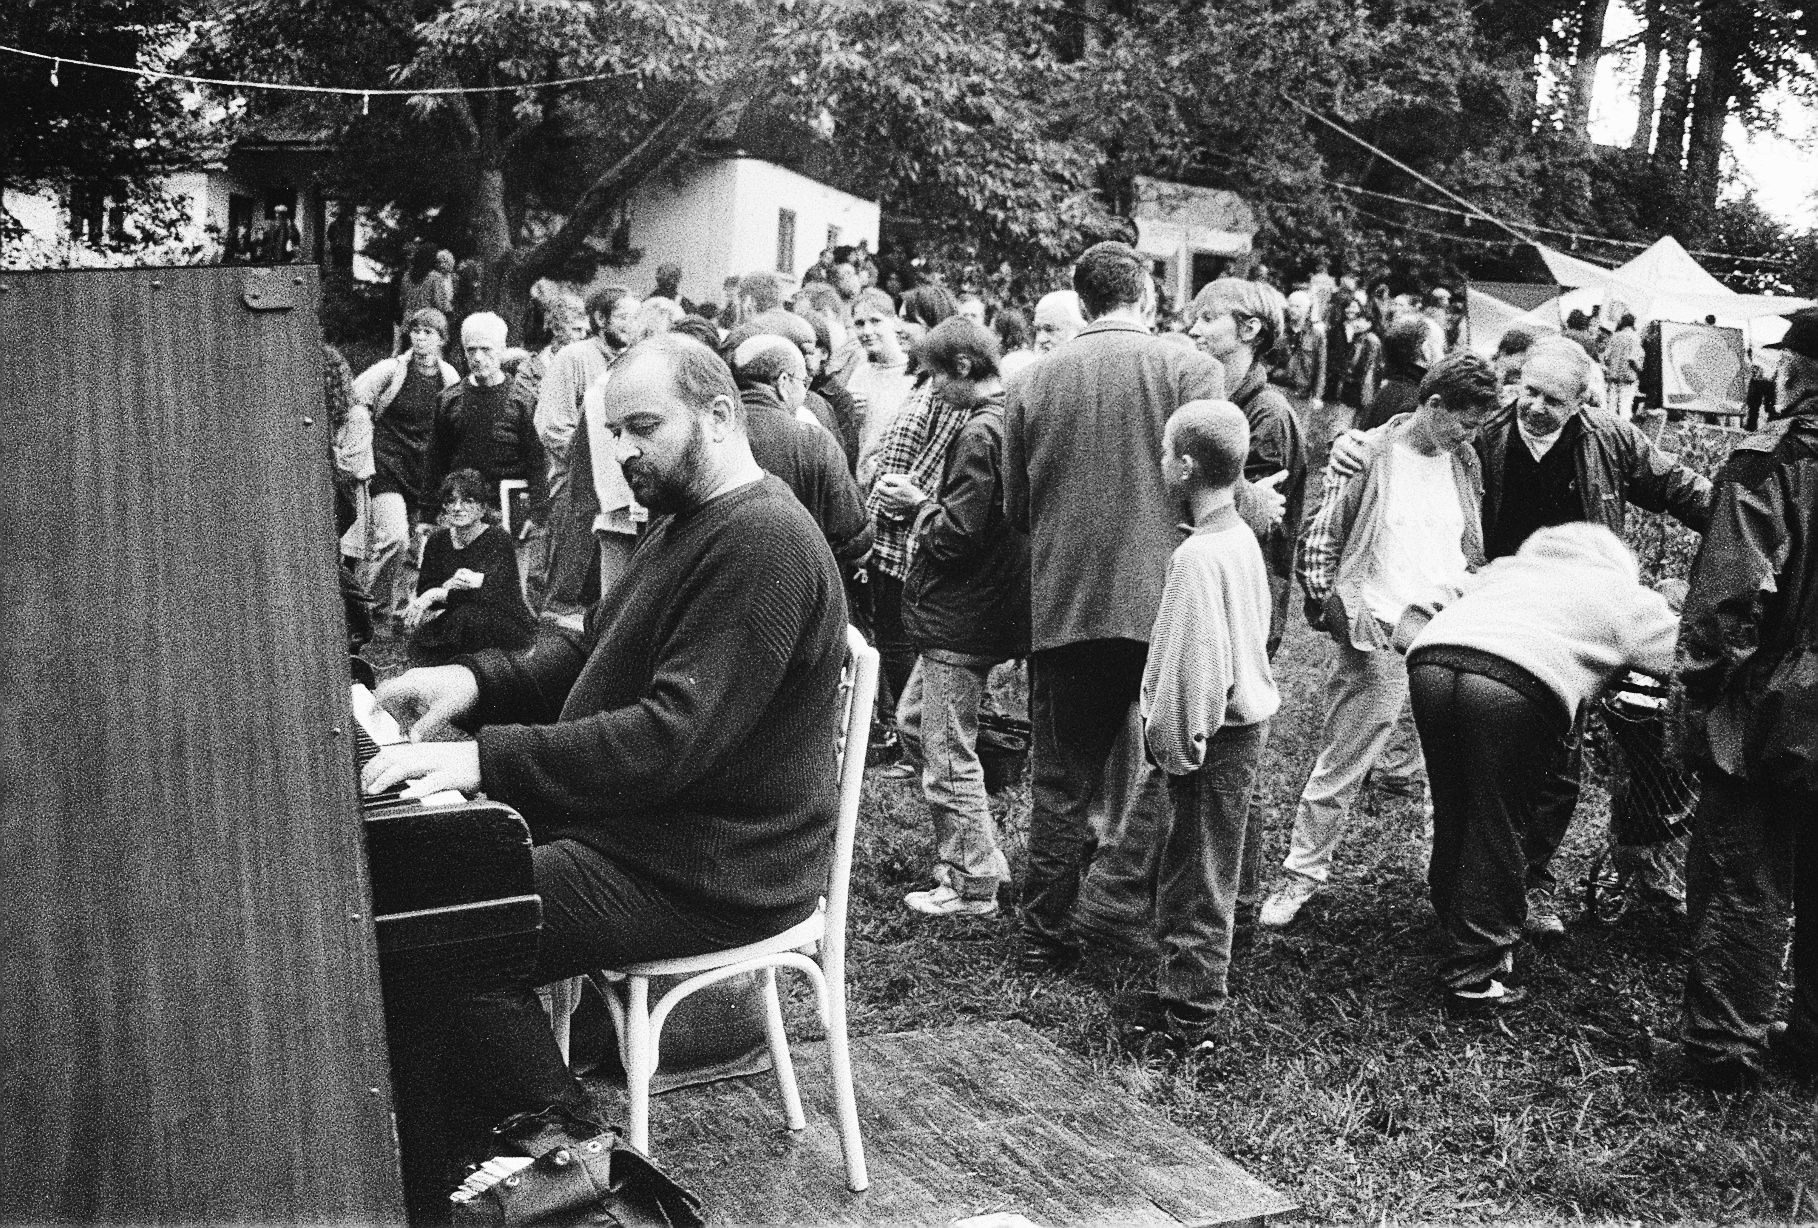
1753	860
1079	697
462	1065
894	647
1487	746
1557	803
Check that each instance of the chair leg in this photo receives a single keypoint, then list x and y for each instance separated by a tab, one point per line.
640	1061
839	1059
563	998
779	1053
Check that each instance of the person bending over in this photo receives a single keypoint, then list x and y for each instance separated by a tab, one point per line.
1496	678
675	762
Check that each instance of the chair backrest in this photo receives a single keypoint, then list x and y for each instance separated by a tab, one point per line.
858	695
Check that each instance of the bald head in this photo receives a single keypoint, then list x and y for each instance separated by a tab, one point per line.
772	362
1057	319
1205	444
765	358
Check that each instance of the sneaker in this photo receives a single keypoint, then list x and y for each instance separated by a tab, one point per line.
944	901
1543	923
902	769
1158	1028
1283	904
1480	1001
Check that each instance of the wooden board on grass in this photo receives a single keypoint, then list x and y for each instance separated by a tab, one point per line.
957	1122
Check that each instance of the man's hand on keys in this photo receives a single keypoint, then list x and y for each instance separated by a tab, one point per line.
426	703
427	767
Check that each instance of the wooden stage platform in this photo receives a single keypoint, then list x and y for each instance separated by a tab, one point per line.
958	1122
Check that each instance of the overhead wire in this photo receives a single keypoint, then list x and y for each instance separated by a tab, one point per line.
348	91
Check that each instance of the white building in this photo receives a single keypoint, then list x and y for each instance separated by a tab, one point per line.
723	217
1190	234
224	205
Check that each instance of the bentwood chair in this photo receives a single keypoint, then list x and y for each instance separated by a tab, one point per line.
816	947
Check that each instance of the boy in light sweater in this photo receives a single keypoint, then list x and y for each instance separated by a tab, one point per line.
1207	696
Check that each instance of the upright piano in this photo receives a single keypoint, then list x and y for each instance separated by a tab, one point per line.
191	1022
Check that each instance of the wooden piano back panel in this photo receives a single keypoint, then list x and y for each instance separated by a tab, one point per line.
190	1025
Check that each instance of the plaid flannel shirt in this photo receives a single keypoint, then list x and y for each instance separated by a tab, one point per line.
1321	545
914	444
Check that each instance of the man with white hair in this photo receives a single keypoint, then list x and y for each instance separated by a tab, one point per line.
1057	320
1299	362
773	386
479	426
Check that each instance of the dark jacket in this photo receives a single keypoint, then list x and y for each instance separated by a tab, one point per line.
1616	466
1748	641
845	415
493	433
1276	444
808	459
1082	474
968	585
1398	394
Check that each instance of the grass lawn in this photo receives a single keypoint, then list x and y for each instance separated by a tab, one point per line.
1340	1081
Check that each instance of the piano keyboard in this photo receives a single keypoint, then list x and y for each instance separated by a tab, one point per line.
455	907
374	729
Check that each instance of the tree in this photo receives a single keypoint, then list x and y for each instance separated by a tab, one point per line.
933	99
103	136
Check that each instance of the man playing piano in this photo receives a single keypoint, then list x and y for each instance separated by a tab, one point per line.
675	762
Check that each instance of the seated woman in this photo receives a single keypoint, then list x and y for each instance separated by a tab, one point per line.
468	595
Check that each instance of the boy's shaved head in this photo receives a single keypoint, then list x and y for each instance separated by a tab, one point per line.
1215	435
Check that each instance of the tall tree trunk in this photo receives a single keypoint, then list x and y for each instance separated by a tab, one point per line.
1643	139
1587	54
1722	40
1676	98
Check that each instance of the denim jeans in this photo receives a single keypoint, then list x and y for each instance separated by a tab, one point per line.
938	714
1487	749
1079	700
1129	816
1754	860
1199	869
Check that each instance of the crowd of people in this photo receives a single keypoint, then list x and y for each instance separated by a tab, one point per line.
1126	503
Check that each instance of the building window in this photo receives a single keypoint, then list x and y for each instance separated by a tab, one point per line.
785	241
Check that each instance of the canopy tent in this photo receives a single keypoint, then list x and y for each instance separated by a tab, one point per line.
1570	271
1487	317
1662	283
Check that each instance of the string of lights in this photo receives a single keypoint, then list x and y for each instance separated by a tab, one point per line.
348	91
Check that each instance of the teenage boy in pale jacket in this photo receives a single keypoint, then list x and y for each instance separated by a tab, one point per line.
1403	525
1207	696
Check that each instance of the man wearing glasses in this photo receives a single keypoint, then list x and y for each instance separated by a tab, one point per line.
773	385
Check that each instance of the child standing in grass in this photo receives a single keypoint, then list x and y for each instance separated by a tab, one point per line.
1207	697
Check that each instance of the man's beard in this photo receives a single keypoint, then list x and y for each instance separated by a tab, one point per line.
665	493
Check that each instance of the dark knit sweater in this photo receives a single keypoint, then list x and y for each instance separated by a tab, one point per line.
688	736
1535	493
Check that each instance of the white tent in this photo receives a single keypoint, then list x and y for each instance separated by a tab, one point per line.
1662	283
